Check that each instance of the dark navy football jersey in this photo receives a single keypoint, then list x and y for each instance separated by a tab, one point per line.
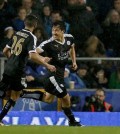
22	43
59	52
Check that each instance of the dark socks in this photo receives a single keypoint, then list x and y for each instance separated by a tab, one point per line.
37	95
10	103
69	114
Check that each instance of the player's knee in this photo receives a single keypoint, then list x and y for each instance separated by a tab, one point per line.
49	100
15	96
66	100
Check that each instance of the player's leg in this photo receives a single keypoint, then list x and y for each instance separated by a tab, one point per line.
38	95
66	106
6	108
15	85
10	103
7	95
3	88
48	98
61	92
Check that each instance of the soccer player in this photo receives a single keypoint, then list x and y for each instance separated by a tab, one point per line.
22	46
58	48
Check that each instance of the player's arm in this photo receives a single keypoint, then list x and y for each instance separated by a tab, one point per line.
40	60
44	47
7	51
73	57
36	57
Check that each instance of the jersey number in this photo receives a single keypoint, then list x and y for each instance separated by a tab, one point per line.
17	45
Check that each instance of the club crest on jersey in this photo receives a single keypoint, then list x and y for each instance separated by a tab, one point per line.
68	42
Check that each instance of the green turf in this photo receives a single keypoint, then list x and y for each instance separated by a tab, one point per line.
58	130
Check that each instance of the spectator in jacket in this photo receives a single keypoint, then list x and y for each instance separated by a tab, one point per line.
82	24
111	34
18	23
97	103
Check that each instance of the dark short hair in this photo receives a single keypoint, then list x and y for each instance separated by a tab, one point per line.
31	20
100	89
61	24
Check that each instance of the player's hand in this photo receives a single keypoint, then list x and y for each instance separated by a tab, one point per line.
89	8
51	68
30	78
74	66
47	59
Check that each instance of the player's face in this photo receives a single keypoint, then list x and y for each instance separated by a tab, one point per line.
57	33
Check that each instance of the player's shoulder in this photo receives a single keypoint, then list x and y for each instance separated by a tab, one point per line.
29	34
68	36
47	41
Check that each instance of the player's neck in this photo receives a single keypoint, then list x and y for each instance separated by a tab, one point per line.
29	28
61	39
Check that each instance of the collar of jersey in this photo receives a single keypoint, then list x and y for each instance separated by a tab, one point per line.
61	42
27	30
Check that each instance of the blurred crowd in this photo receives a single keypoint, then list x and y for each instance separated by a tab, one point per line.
95	25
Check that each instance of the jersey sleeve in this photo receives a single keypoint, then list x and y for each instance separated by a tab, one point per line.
31	47
70	39
44	46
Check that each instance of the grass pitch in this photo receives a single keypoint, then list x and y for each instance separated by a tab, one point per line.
58	130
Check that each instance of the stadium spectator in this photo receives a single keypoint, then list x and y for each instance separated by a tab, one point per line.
18	23
56	16
99	75
100	8
46	18
28	4
92	6
7	13
114	82
111	34
117	5
67	78
8	33
97	103
94	47
34	75
57	4
76	103
38	4
15	3
82	25
82	78
40	33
